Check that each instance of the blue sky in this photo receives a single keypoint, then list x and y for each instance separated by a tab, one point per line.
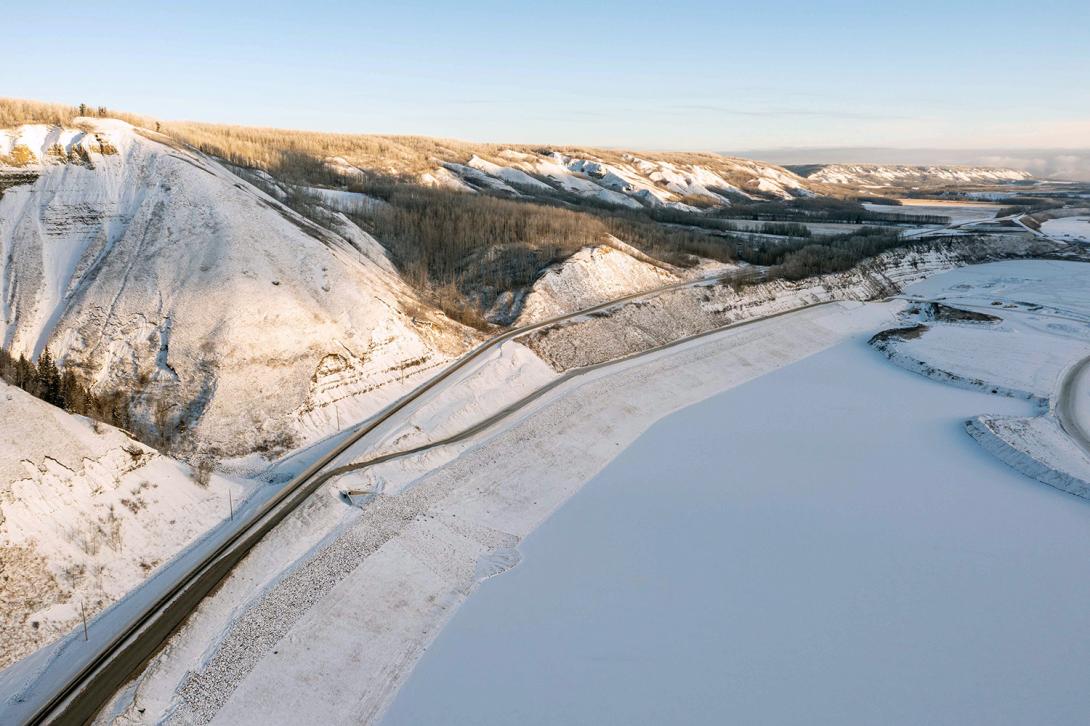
683	75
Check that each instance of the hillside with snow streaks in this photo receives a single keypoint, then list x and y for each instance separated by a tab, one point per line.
150	266
591	276
617	179
881	175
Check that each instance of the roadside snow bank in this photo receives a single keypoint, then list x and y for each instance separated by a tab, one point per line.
1037	447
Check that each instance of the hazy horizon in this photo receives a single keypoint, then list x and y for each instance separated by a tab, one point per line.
1063	164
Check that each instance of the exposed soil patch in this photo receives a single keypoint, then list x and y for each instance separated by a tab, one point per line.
909	333
947	314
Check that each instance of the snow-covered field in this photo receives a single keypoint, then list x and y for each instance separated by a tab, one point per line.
355	584
1038	334
850	566
958	212
1072	228
781	553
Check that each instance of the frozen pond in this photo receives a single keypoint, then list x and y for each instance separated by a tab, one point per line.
822	545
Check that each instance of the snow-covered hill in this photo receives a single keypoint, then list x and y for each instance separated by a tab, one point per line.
153	267
611	178
879	175
598	274
85	514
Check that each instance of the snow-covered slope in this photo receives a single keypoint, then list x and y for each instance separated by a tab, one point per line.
589	277
619	179
85	514
151	266
879	175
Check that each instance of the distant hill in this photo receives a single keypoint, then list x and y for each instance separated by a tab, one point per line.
899	175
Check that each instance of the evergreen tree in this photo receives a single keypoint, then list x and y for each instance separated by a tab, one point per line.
74	395
48	382
24	375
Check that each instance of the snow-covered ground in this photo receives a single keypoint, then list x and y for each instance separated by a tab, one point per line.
1072	228
337	604
345	201
1017	355
643	324
86	513
783	554
1041	288
1035	332
371	586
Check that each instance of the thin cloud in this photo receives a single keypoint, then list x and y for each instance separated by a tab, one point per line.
795	112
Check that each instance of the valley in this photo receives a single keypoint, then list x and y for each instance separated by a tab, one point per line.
278	405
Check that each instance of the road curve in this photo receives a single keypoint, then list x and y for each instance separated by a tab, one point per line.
1067	399
77	682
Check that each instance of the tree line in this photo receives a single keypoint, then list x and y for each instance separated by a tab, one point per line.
465	250
833	254
61	387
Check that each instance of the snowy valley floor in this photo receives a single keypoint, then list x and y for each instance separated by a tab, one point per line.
884	524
